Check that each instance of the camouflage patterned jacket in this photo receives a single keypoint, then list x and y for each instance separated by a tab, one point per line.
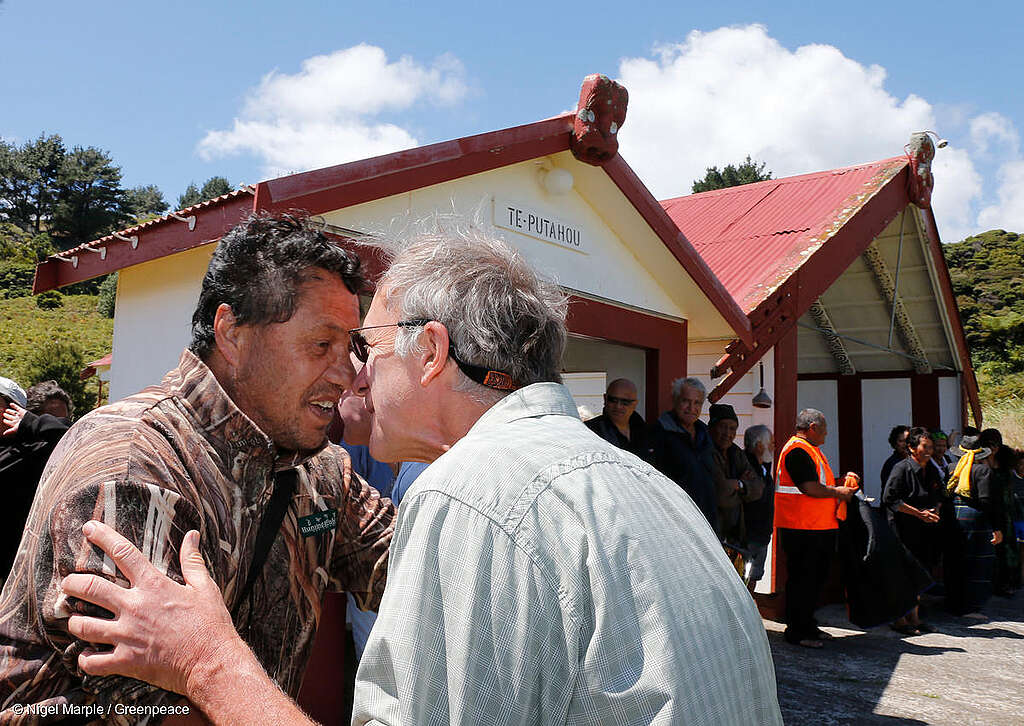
175	457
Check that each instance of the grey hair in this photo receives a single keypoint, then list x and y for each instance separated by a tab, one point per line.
752	435
679	383
809	416
499	312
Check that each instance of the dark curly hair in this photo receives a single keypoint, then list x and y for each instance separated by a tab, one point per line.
258	268
895	434
43	391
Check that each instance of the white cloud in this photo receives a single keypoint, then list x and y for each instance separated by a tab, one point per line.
723	94
992	127
1008	212
330	111
958	186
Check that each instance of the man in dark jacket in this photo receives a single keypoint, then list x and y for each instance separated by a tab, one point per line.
759	514
619	423
682	446
736	481
26	441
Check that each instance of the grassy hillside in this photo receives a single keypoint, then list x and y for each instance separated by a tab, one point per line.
988	279
24	327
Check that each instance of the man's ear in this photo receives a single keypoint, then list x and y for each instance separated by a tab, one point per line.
434	357
228	335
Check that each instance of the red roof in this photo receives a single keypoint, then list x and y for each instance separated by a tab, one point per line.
755	236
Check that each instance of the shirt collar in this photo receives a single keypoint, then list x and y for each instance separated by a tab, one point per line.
537	399
220	419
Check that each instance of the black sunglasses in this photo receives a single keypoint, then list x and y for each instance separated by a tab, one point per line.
484	376
620	401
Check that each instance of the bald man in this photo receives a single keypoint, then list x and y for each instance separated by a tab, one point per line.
620	424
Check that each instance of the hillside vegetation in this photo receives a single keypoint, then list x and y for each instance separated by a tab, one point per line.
25	329
988	280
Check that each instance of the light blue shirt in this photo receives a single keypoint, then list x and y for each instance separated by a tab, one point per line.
539	575
380	476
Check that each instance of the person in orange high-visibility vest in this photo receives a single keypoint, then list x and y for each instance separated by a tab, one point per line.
808	507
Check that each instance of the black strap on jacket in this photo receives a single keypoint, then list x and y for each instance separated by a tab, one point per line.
284	487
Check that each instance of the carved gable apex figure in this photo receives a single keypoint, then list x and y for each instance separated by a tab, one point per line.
599	116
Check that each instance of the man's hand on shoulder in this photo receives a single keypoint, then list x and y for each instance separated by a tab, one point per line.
177	637
164	633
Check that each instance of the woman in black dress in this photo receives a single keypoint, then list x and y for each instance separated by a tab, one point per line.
912	497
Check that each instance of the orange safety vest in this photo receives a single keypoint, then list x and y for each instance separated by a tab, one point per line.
796	510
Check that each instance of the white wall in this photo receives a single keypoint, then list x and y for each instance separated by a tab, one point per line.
949	404
885	403
620	258
703	354
824	396
587	391
152	318
583	355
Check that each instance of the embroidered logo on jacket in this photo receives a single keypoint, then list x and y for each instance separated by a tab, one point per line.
318	522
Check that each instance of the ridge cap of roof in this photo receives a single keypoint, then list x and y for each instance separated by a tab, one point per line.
785	180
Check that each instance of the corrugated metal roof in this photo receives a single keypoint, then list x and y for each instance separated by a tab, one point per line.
754	236
247	190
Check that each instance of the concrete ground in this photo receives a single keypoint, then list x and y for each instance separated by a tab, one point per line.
969	671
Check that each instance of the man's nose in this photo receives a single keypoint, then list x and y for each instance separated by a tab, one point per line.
361	381
341	373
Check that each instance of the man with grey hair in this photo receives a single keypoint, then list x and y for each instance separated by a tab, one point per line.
759	445
809	504
538	574
682	447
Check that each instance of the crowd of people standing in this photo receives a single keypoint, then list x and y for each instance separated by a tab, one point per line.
958	511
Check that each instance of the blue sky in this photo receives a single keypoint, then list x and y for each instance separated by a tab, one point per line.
180	92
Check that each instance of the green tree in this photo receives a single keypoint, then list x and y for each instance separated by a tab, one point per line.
189	197
19	253
92	202
29	185
747	172
107	296
62	362
145	202
214	187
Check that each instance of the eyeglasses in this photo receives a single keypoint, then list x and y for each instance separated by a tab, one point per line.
361	349
620	401
484	376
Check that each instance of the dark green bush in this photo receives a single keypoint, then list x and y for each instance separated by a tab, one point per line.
49	300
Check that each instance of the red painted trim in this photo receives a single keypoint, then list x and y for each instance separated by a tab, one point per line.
784	422
924	401
851	423
655	215
770	324
159	240
653	385
871	375
833	258
344	185
666	338
970	381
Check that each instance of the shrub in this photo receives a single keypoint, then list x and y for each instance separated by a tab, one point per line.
16	279
49	300
107	296
62	362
